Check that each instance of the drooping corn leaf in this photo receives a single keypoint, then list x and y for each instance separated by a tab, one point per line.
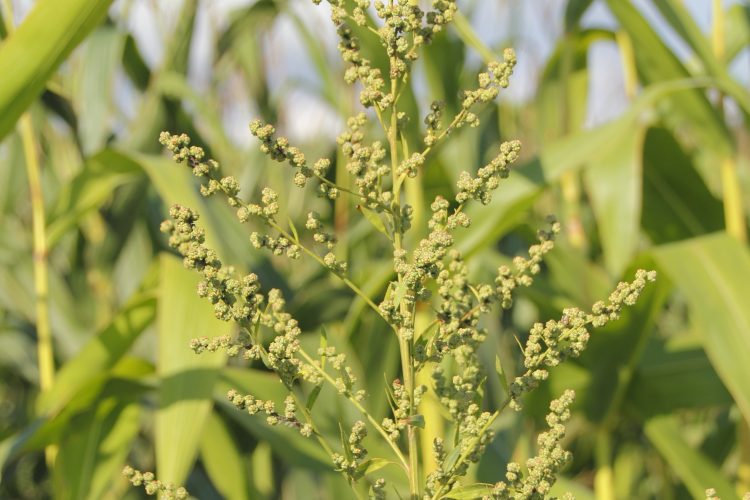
186	380
38	47
713	272
695	470
223	460
94	449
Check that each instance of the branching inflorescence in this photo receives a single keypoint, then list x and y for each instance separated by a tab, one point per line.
431	271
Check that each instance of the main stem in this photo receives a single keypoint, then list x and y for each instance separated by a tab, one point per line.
45	354
41	280
405	345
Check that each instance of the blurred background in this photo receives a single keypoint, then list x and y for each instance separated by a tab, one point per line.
633	118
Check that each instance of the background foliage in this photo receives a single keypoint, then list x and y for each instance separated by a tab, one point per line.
663	401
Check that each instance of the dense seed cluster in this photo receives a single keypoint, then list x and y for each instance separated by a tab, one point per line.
525	269
287	418
555	341
480	188
153	486
449	347
541	470
354	453
278	149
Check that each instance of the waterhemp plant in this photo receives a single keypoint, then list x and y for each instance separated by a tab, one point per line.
427	274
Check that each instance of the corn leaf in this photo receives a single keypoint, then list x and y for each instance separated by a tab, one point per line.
713	272
695	470
186	380
36	49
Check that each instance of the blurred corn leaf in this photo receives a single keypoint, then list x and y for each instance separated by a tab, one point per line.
713	272
94	449
676	202
689	464
38	47
186	381
89	190
101	353
223	460
614	182
689	112
94	97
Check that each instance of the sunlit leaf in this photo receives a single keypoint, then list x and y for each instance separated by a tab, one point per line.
713	272
186	380
39	45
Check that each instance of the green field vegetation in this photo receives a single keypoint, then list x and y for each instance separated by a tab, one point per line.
97	312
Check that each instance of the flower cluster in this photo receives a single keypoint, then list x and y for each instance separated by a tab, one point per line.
377	490
287	418
152	486
424	264
278	149
553	342
495	78
508	280
365	163
401	405
474	437
712	495
345	380
542	469
488	177
233	299
405	27
354	453
195	158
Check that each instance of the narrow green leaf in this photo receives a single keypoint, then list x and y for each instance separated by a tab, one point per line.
39	45
293	228
614	183
451	459
344	441
186	379
93	450
677	204
101	174
374	219
471	491
695	470
713	272
223	460
313	396
93	97
501	375
372	465
101	353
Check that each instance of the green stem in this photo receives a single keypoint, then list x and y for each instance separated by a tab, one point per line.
317	258
470	449
734	214
359	407
604	481
41	278
45	352
405	345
